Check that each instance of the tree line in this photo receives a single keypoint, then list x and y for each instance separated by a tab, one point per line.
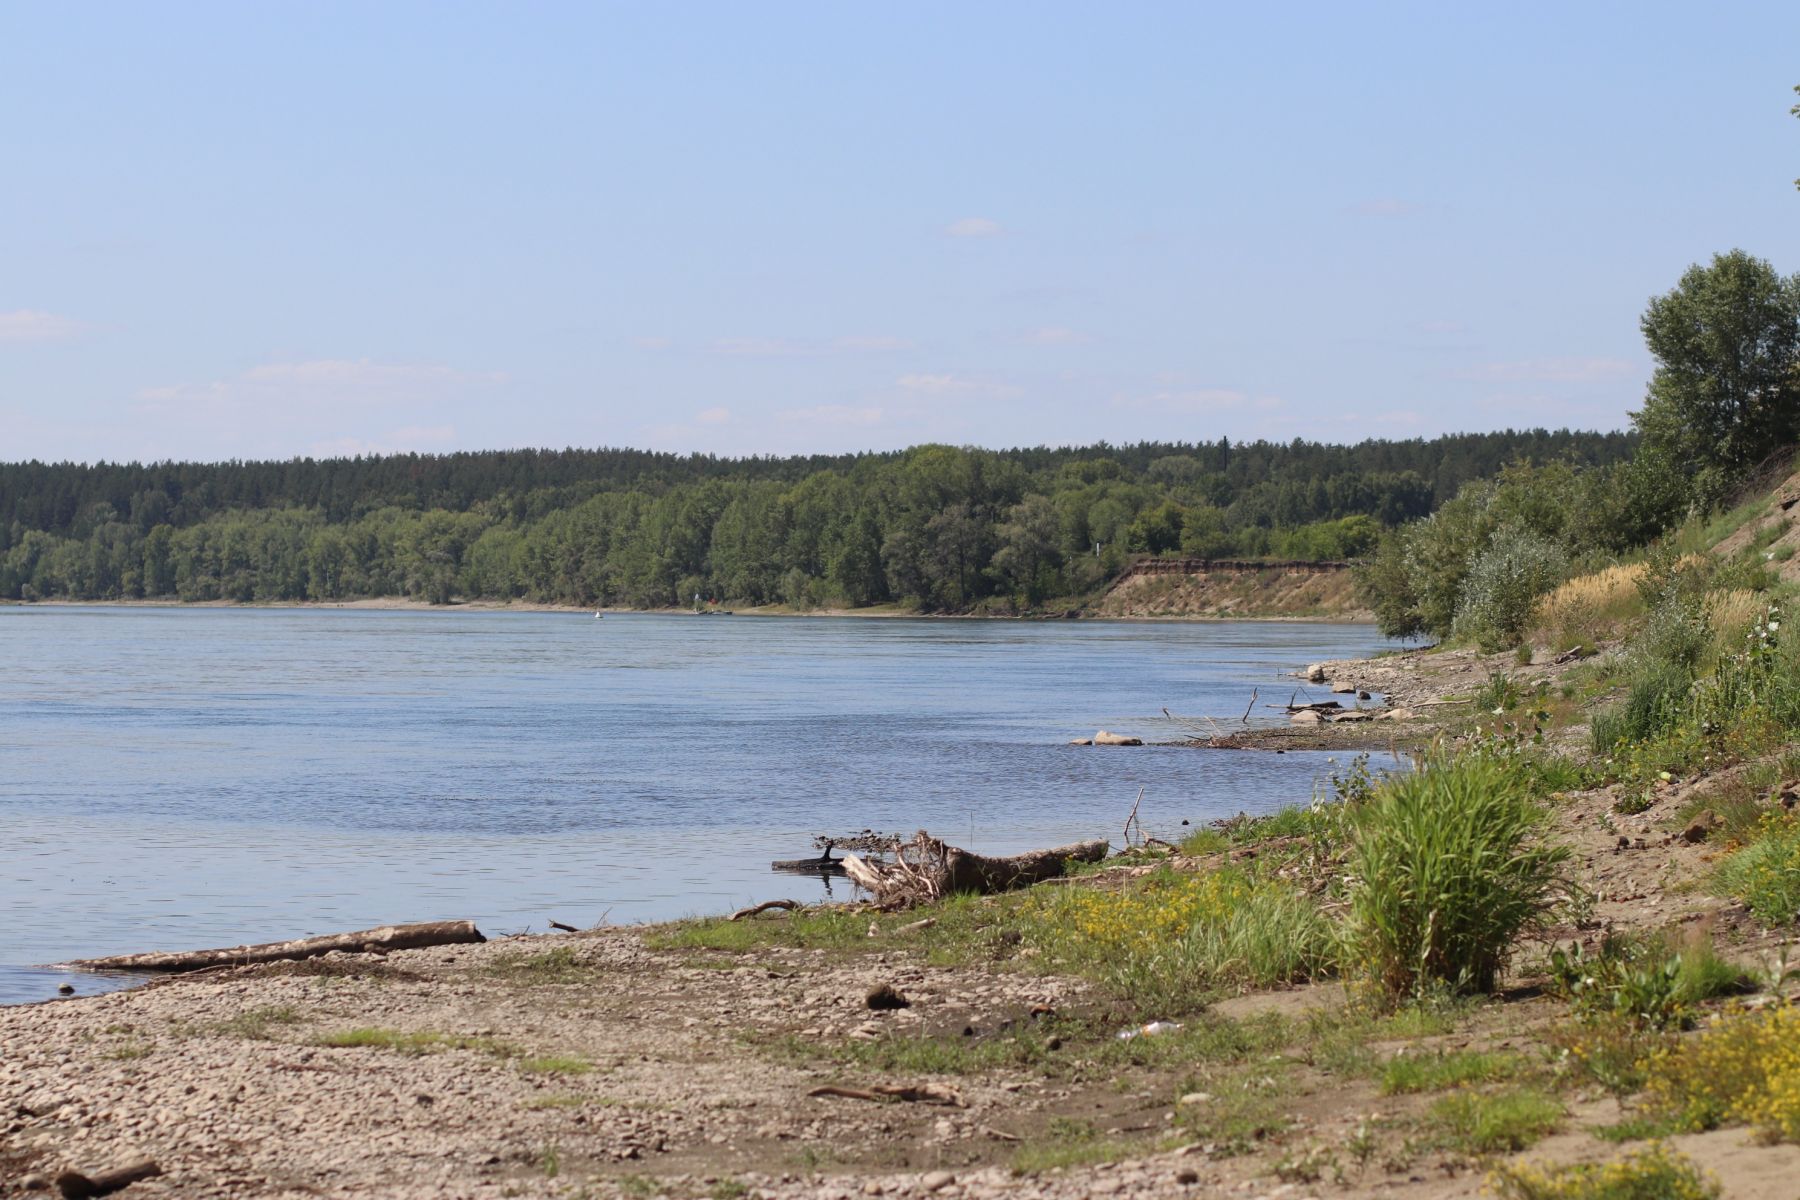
941	528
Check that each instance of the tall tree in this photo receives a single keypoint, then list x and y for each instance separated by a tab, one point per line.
1727	344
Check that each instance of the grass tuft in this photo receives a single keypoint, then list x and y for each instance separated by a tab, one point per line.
1446	873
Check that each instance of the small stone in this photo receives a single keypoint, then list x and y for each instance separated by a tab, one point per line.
1701	827
1305	717
937	1181
885	997
67	989
1315	673
1342	689
1193	1098
1187	1175
35	1183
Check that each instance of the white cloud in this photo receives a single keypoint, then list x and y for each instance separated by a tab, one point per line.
31	325
1056	335
834	414
973	227
713	416
1554	370
953	385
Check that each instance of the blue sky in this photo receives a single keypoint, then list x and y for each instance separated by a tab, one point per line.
271	230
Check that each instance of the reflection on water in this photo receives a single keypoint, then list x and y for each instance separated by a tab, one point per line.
177	778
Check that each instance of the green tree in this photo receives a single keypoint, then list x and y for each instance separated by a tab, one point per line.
1727	343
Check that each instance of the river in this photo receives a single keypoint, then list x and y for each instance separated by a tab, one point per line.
175	778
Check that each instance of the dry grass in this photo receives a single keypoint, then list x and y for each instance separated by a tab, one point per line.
1590	608
1731	614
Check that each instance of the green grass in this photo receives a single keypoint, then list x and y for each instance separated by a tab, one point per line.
1479	1123
813	929
259	1024
560	1100
560	965
1069	1143
1436	1071
1053	1047
129	1051
414	1042
1247	1105
1338	1041
555	1065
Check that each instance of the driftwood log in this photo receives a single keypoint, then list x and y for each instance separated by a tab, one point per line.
387	937
925	869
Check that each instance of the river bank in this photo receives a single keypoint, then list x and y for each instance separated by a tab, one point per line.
687	1059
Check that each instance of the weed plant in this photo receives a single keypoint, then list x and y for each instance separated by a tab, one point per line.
1765	874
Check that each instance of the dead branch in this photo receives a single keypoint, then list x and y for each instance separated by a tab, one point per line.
923	1094
925	869
558	925
1245	719
765	906
1134	818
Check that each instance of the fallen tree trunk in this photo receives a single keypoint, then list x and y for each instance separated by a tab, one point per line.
925	869
387	937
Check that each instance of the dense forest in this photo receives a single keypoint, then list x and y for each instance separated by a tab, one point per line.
940	528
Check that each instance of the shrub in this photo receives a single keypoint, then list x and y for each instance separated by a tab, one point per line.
1504	584
1743	1067
1445	874
1652	1174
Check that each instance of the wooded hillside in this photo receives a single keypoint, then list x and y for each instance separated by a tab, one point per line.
939	527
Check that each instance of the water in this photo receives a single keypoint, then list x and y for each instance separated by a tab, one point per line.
178	778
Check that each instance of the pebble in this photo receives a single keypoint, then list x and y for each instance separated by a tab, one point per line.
937	1181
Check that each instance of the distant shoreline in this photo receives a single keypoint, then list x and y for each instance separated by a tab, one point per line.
878	612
